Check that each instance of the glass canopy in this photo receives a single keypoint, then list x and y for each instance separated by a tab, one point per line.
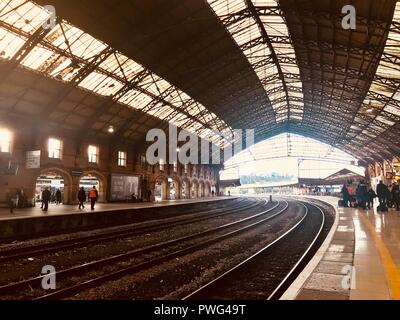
251	35
67	53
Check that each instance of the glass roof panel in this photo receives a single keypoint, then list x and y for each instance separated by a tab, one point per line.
66	51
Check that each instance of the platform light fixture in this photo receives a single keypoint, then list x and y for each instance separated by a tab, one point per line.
111	129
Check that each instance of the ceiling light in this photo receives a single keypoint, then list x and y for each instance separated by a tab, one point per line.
110	129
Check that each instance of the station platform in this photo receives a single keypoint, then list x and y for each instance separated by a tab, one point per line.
56	210
26	222
359	260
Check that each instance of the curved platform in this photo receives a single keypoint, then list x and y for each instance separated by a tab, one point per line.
360	259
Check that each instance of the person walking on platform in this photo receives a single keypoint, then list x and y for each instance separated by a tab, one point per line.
389	200
58	196
46	196
10	200
93	195
346	196
362	193
382	192
370	198
396	195
81	198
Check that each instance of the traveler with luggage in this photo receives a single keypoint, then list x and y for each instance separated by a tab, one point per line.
396	195
382	191
362	194
346	196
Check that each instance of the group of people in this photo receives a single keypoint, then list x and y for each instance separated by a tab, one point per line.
364	196
92	195
47	197
389	196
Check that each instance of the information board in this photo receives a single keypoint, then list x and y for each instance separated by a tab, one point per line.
124	187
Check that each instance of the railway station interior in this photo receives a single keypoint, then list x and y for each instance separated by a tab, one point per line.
173	149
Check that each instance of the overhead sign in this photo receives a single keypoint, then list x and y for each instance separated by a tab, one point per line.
76	173
33	159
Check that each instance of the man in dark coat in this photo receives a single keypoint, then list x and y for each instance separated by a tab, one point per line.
371	196
346	196
396	195
362	194
46	196
81	197
58	196
382	192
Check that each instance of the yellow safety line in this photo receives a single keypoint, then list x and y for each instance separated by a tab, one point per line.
391	270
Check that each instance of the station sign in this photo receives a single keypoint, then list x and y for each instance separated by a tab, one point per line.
33	159
76	173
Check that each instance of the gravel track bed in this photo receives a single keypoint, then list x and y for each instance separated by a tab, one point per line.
174	279
21	269
259	278
99	231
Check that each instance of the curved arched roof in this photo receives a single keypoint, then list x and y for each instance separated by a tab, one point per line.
276	66
289	145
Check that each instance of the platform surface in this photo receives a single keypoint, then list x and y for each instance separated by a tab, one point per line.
56	210
367	241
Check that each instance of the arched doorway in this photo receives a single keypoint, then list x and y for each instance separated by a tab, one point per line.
97	179
201	189
185	189
174	186
53	179
207	190
161	189
194	189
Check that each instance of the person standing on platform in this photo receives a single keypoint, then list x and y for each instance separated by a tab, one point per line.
10	200
382	192
362	193
346	196
149	195
58	197
81	198
370	199
396	195
93	195
389	200
46	196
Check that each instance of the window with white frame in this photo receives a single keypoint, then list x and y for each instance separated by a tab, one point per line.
122	158
5	141
54	148
93	152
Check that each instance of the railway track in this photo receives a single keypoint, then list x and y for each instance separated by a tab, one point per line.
161	252
7	255
270	271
